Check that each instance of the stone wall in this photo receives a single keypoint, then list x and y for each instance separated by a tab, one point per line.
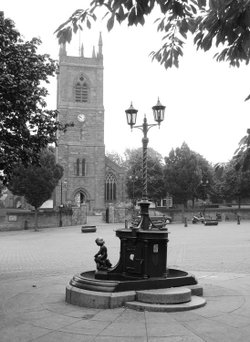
117	214
11	219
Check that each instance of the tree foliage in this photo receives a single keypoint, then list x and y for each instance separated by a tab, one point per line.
116	158
26	126
185	173
232	179
242	154
36	183
234	182
214	23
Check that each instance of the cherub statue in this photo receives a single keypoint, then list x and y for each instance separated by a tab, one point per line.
101	258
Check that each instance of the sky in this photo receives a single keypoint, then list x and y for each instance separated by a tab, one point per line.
204	99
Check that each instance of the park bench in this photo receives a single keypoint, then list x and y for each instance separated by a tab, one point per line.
210	222
88	229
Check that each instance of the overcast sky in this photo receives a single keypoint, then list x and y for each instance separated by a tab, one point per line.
204	99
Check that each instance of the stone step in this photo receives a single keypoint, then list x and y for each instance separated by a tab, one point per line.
195	303
172	295
196	290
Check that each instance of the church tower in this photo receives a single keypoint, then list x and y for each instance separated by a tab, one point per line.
81	149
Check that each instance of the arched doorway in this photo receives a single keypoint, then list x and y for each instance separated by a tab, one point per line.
80	197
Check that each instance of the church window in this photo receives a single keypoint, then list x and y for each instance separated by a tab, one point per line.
78	167
83	167
110	188
81	90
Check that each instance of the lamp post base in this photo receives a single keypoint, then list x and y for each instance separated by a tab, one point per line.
145	220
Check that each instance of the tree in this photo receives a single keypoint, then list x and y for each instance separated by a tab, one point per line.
232	178
242	154
183	173
36	183
116	158
26	126
134	180
213	23
233	181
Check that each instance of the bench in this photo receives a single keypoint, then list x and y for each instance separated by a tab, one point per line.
88	229
210	222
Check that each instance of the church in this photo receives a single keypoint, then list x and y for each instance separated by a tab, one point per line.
90	177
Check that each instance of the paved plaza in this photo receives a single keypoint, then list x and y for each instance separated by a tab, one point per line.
35	268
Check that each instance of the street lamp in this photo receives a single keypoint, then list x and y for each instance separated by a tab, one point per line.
61	204
131	113
204	184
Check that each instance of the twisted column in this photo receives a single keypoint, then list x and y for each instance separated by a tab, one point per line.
145	168
145	159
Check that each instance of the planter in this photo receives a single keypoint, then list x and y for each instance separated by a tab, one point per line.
88	229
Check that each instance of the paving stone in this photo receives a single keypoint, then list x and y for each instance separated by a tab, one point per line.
86	327
119	339
56	336
131	316
54	322
225	304
30	316
215	332
233	320
135	329
158	317
108	315
21	333
185	315
167	329
191	338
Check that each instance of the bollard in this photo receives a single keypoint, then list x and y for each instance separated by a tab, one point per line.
185	221
26	225
238	219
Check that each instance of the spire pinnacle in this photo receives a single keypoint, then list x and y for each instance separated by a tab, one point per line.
82	50
62	50
100	45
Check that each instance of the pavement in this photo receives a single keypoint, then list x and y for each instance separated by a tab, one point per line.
35	268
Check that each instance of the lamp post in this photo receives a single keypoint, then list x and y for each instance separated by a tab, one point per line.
131	113
61	204
204	184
